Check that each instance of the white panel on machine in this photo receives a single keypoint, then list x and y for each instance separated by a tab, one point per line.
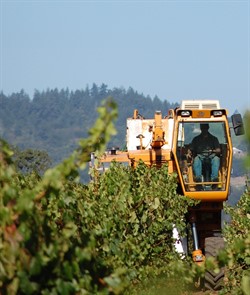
135	128
144	127
168	134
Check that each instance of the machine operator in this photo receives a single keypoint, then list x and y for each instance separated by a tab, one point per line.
205	147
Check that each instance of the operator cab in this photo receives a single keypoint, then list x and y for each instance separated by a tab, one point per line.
202	149
193	155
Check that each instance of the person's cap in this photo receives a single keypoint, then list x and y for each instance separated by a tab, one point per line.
204	126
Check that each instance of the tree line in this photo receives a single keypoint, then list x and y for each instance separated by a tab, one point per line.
54	120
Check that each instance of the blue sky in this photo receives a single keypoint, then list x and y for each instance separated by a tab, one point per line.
173	49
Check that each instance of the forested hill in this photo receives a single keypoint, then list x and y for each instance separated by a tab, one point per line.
54	120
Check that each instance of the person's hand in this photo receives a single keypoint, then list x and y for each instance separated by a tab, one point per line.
189	154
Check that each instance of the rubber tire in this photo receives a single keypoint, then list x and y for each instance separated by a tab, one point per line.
214	281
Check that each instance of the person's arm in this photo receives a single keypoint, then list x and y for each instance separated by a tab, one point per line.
193	148
215	151
216	147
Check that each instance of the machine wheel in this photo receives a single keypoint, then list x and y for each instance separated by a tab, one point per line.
213	281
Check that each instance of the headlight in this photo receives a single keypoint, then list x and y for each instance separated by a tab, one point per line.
217	113
185	113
